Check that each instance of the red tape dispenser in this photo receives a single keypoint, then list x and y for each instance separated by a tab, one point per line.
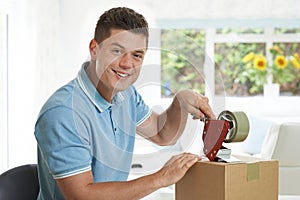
228	127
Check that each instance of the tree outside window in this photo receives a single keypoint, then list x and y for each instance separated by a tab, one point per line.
241	68
182	58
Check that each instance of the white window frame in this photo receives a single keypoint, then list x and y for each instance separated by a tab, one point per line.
268	37
219	103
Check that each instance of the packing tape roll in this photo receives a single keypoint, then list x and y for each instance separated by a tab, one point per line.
239	125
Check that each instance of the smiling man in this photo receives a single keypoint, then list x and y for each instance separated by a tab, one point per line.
86	129
116	62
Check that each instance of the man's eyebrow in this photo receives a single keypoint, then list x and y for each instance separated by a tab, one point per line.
141	50
117	44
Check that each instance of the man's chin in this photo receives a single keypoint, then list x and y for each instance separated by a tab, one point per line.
122	85
120	88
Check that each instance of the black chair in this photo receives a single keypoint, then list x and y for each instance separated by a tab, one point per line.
20	183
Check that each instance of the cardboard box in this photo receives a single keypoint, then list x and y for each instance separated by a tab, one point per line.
247	180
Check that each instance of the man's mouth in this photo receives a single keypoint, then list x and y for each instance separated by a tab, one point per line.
123	75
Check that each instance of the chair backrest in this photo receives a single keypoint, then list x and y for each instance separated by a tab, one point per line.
20	183
287	149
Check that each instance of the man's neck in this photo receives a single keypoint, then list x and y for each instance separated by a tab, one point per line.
102	89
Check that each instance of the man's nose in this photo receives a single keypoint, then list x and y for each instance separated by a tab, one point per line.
126	61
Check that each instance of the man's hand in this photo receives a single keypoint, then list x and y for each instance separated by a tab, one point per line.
195	104
176	168
82	186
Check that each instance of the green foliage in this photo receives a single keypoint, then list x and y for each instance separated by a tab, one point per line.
289	77
238	79
182	59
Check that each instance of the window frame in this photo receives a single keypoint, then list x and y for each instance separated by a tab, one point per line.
269	37
152	73
212	37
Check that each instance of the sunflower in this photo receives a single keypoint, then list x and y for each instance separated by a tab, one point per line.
295	62
248	57
296	56
260	62
280	62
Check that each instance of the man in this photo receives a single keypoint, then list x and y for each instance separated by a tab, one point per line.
86	130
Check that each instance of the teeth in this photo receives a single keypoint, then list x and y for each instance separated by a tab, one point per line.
121	74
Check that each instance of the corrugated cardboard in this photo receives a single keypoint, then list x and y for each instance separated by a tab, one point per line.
248	180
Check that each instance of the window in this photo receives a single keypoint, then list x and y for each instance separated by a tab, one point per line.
3	91
207	56
182	57
243	60
248	59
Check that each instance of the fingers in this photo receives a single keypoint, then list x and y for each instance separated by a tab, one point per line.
201	110
185	160
195	104
203	106
176	167
173	159
188	161
197	113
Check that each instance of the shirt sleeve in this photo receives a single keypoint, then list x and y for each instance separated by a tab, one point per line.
63	143
143	110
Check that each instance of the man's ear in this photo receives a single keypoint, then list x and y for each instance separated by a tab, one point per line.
93	49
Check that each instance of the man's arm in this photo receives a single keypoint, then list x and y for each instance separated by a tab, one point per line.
166	128
81	186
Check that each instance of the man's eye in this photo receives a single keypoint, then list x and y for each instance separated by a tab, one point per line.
139	56
117	51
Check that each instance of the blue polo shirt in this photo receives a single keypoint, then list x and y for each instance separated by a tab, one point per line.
78	130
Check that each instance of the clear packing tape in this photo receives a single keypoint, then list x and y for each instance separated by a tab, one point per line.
228	127
239	126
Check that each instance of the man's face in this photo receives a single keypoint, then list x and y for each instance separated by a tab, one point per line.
119	59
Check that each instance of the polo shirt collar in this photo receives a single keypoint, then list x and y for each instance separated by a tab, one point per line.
90	91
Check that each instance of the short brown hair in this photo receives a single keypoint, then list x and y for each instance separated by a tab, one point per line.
120	18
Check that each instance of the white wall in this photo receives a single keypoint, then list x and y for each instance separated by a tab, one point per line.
20	83
48	41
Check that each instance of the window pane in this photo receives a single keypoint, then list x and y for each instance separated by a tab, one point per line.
238	78
286	71
182	58
183	53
